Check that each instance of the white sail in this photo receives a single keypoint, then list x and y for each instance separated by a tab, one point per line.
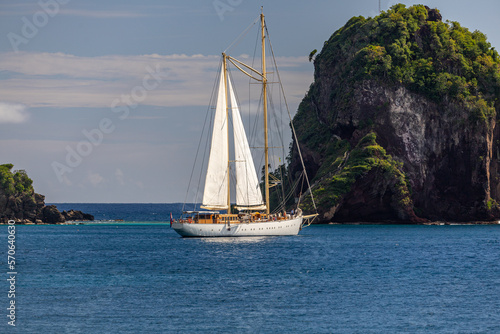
216	181
248	193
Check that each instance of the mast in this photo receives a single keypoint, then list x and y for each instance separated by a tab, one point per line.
224	61
264	98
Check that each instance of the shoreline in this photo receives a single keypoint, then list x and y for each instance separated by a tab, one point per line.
433	223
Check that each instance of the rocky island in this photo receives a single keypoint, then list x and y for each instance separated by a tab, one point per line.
19	202
399	124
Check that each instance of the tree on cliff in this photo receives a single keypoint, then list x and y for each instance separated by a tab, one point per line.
14	183
413	47
425	94
18	201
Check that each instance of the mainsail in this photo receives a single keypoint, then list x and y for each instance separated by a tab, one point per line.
216	181
248	193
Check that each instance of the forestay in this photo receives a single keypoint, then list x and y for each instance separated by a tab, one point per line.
216	181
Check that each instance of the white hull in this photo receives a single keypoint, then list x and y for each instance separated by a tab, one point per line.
270	228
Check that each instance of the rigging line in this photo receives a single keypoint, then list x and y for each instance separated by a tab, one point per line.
212	120
197	152
258	113
233	174
293	188
279	129
213	101
255	132
278	121
282	186
291	122
199	145
289	195
254	124
242	34
249	79
280	138
281	121
302	187
247	167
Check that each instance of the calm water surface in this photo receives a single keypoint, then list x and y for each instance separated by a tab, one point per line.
144	278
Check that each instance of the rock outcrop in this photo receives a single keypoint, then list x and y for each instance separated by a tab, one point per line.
51	215
76	215
397	128
19	202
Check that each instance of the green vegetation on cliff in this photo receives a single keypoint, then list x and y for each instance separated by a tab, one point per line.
344	166
413	47
16	182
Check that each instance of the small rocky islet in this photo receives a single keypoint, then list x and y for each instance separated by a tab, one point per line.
19	202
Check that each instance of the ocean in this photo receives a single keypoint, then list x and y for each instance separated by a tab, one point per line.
131	212
139	276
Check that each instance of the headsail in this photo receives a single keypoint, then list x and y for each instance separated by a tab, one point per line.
216	181
248	193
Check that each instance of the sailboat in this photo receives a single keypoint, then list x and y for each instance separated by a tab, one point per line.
254	216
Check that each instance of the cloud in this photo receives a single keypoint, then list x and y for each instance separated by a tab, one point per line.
94	178
13	113
63	80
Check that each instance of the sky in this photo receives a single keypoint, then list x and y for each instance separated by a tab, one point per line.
104	101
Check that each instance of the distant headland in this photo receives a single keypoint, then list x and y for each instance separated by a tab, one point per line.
19	202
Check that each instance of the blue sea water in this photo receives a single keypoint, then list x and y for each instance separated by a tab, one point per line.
144	278
132	212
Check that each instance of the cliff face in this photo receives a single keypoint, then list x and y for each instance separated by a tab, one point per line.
425	127
26	207
19	202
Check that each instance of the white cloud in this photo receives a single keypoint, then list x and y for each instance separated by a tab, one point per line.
13	113
94	178
62	80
